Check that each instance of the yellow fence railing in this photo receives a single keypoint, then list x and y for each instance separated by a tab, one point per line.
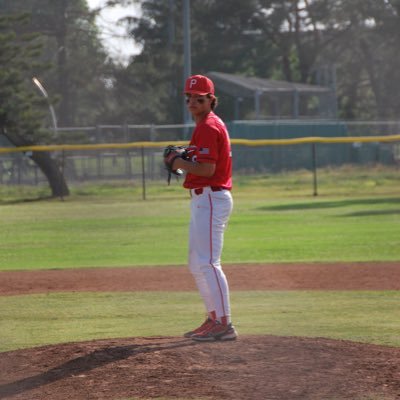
242	142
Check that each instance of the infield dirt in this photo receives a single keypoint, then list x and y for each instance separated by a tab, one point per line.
253	367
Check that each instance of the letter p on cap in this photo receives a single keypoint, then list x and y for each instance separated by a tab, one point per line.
199	84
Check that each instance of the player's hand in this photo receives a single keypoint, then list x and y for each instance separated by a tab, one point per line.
171	153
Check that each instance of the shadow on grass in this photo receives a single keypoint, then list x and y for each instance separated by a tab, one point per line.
312	205
27	200
372	212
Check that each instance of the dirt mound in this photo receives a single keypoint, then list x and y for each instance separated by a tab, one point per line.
253	367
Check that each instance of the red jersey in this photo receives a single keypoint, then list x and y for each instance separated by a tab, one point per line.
212	145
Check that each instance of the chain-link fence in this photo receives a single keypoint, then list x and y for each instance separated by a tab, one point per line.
122	133
134	163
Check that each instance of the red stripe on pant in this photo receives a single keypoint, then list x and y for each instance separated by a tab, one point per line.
211	256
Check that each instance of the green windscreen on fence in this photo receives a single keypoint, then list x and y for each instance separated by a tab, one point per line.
278	158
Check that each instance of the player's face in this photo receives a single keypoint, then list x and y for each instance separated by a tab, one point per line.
198	104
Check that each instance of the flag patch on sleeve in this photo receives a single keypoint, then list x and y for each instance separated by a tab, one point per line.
204	150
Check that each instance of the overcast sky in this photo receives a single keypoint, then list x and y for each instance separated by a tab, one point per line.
112	35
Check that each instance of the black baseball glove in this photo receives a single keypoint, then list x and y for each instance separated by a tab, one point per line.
171	153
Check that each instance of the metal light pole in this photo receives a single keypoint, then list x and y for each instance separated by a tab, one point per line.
46	96
187	58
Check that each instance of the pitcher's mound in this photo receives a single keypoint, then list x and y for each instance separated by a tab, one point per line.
252	367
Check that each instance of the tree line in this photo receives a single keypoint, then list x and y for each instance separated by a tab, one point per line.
58	42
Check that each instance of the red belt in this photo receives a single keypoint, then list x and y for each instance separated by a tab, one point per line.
213	189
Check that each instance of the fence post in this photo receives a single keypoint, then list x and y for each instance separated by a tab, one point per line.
99	155
143	176
125	131
314	167
152	133
62	169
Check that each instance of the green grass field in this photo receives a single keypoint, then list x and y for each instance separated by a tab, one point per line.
111	225
363	316
356	217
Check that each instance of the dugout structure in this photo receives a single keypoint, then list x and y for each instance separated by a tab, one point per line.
258	98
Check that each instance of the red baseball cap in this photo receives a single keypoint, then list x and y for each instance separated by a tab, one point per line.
199	84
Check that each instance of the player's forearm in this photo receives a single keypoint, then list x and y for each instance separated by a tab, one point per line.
195	168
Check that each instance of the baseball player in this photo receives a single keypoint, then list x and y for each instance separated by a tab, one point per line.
208	166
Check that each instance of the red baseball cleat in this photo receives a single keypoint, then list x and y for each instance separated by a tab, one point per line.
216	331
204	326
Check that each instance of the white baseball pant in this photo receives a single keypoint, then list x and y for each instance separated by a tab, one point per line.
210	213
